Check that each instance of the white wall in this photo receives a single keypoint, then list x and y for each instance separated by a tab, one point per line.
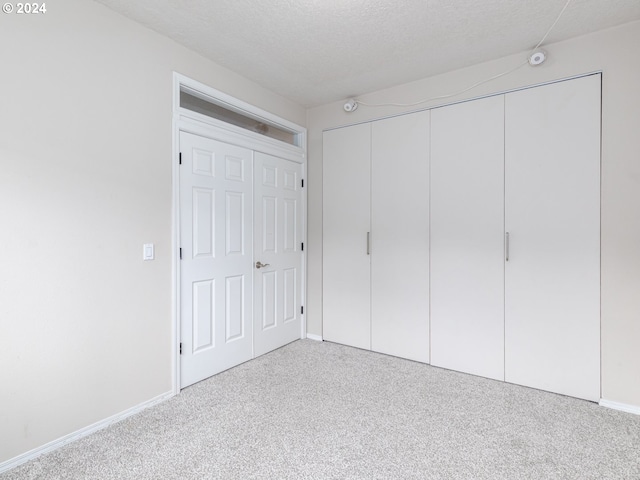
614	52
85	180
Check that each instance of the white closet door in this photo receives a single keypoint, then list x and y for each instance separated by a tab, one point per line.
467	237
346	225
277	246
552	298
400	236
216	234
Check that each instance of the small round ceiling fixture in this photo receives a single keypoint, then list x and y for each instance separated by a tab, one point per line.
537	57
350	105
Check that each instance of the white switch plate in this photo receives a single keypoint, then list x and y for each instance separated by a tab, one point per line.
148	251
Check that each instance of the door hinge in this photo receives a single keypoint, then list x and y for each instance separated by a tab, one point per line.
180	158
302	246
181	254
301	310
302	182
180	348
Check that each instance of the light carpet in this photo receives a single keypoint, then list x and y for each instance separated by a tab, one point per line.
315	410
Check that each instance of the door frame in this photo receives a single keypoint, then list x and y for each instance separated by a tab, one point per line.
185	120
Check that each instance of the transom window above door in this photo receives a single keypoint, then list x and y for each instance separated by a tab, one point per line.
205	105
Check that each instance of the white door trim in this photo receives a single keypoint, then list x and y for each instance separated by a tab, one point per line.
192	122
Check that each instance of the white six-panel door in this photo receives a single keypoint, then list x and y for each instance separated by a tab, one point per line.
400	236
216	234
277	246
467	237
552	178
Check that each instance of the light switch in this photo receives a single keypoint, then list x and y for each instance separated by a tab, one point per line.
148	251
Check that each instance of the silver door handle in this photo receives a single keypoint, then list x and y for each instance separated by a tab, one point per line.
261	265
368	243
506	246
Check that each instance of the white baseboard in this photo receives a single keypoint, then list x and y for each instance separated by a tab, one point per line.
623	407
83	432
317	338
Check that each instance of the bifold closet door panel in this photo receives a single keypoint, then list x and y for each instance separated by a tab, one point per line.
346	276
552	297
400	236
467	237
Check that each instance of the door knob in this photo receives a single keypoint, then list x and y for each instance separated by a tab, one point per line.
260	264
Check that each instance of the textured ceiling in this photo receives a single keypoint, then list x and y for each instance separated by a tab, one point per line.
317	51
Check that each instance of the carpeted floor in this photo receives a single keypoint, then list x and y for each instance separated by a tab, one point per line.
316	410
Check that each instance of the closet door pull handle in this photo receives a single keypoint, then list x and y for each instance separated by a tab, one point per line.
368	243
506	246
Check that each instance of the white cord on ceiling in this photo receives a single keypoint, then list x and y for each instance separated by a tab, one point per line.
475	84
551	27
